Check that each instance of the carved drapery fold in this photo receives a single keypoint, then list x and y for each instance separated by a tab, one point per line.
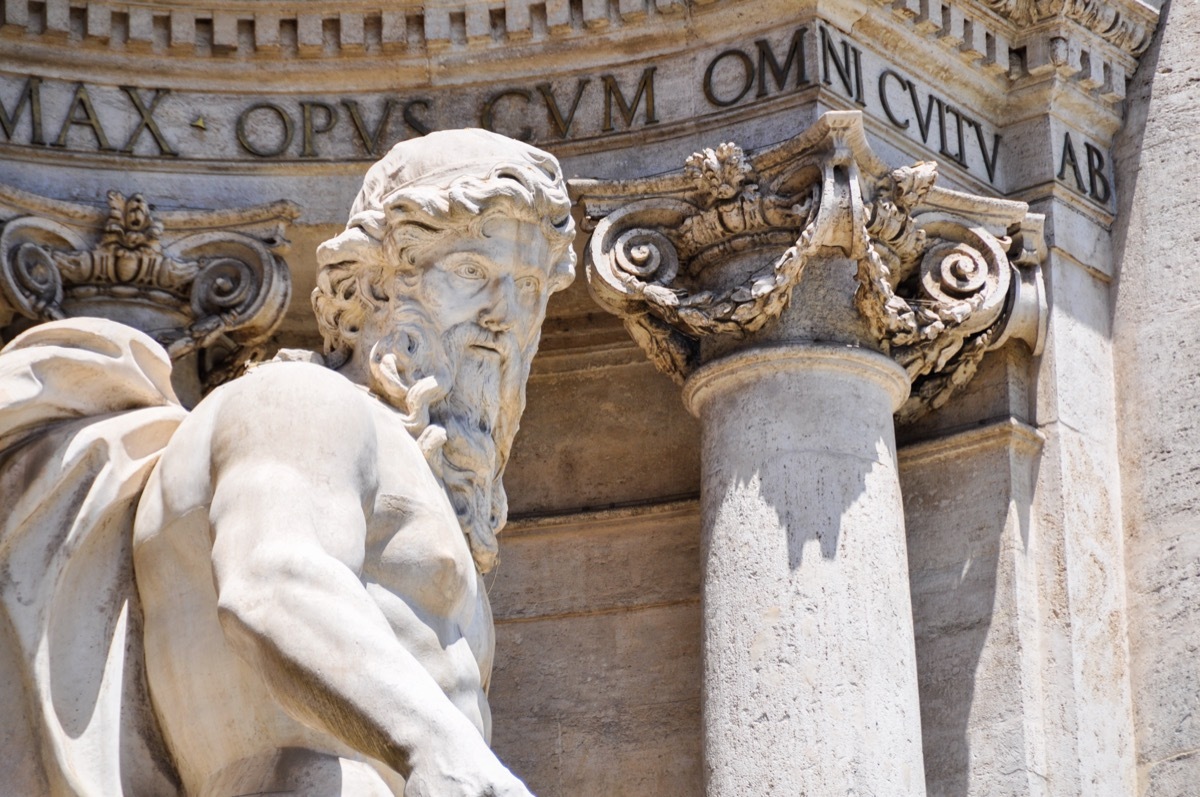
943	277
208	282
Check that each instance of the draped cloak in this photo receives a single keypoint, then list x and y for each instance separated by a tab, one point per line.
86	408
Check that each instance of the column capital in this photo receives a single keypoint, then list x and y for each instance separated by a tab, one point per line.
208	282
942	277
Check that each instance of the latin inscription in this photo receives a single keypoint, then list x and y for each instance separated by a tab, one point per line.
1083	168
149	122
625	107
739	76
81	127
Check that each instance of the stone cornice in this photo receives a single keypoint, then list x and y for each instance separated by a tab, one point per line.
942	276
353	26
322	29
983	31
1126	24
1092	44
1009	433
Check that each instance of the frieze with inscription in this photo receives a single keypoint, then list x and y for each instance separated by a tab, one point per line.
156	122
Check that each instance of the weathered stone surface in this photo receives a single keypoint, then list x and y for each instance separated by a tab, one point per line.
638	445
563	565
805	576
211	287
773	287
598	691
1011	98
1155	332
974	569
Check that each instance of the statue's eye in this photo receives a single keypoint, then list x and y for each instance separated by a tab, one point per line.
528	285
469	271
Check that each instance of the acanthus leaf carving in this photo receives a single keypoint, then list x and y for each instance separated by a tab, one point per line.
212	282
724	210
943	277
942	281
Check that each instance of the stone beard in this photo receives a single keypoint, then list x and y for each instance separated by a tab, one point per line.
445	383
390	321
307	559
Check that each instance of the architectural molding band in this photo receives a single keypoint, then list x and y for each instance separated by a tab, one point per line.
1009	433
728	372
357	28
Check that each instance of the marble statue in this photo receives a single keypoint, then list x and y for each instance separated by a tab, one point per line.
309	541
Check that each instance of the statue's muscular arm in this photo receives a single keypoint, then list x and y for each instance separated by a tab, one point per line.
294	461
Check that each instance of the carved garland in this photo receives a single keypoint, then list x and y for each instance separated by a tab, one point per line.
940	277
728	211
957	278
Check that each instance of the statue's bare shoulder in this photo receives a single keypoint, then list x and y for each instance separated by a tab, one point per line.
279	423
324	528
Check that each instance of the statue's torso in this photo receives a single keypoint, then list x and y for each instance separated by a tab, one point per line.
221	723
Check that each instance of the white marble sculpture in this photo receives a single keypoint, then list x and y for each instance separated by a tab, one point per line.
309	541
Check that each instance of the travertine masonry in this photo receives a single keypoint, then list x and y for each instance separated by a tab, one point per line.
1029	530
1156	329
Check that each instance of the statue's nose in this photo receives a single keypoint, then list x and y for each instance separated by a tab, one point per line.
496	316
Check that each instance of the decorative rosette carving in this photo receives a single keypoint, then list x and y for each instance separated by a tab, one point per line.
212	282
943	276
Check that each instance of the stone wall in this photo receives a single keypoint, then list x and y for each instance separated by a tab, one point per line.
1156	334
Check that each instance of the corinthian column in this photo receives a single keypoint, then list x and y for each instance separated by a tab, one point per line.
801	297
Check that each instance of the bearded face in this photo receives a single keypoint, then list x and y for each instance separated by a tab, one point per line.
461	385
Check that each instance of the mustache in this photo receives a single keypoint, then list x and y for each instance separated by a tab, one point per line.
471	335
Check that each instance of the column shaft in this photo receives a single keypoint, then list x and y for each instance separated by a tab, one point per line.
810	676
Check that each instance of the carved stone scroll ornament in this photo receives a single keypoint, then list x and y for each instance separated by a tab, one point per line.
209	282
941	286
943	276
726	211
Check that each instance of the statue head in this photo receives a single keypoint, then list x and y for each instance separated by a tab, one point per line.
434	297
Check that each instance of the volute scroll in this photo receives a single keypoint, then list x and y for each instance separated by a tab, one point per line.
943	277
659	263
210	283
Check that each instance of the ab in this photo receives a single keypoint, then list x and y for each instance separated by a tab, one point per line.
1098	186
